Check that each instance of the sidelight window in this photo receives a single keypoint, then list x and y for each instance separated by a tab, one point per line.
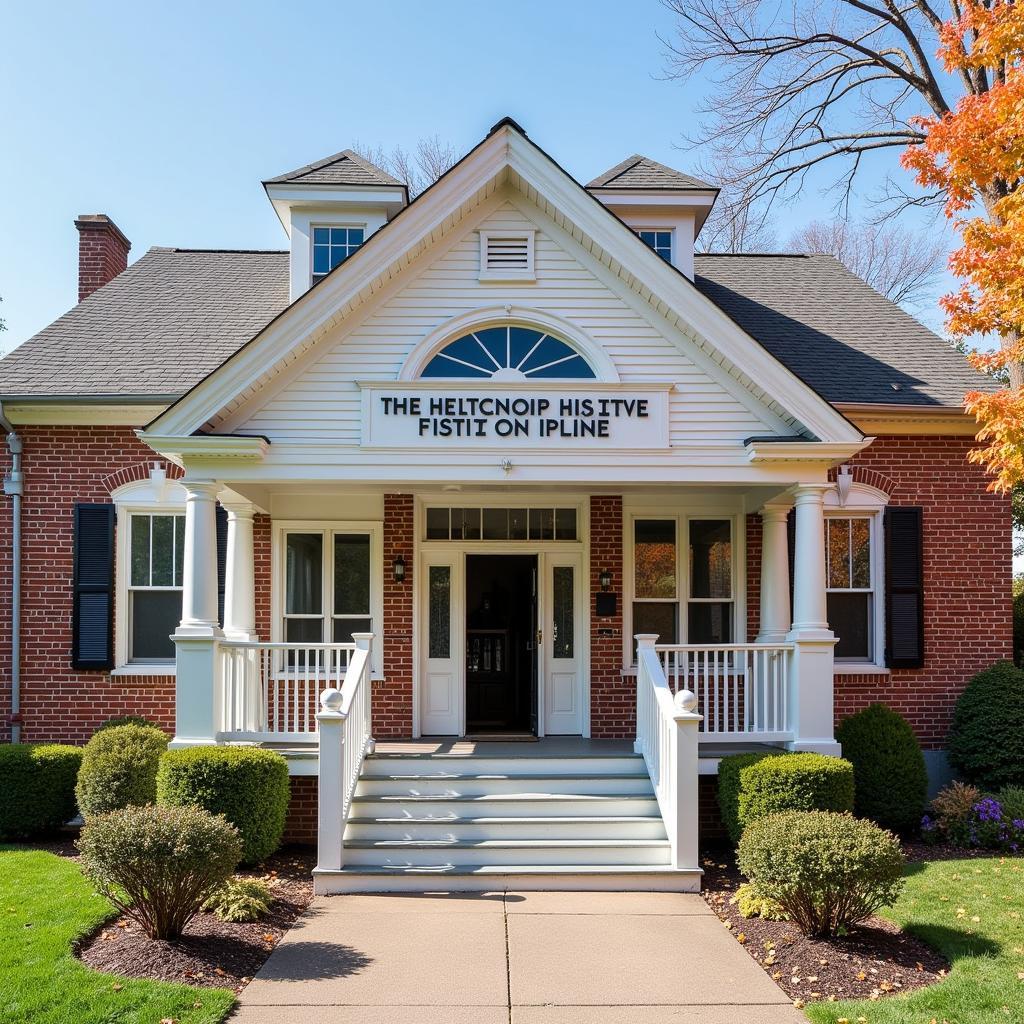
851	586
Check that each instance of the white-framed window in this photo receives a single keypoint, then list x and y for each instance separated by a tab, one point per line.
333	244
855	574
658	239
683	578
328	583
149	564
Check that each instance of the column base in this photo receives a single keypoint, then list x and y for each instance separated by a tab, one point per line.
180	742
828	747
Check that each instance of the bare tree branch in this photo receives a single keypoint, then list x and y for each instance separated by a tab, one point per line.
418	169
901	264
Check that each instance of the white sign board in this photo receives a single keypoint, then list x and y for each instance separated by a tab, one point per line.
486	417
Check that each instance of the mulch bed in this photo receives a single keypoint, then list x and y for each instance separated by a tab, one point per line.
211	951
874	960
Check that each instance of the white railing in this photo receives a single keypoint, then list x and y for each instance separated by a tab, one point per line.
345	719
666	735
271	691
742	690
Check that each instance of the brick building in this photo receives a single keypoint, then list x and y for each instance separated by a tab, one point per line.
481	442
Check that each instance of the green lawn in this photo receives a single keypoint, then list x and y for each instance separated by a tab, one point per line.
45	903
973	911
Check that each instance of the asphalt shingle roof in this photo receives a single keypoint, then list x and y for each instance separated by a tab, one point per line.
157	329
176	314
642	172
832	329
344	168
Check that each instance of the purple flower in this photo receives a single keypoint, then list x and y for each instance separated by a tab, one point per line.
1018	823
988	810
927	825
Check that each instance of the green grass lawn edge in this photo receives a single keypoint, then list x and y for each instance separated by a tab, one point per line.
45	905
972	911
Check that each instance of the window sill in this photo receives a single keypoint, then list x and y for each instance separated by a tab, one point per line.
855	668
144	670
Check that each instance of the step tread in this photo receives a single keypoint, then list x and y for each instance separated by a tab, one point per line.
497	797
610	819
504	777
505	869
532	755
500	844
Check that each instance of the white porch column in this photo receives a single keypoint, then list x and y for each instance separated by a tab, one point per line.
197	697
239	578
811	706
775	614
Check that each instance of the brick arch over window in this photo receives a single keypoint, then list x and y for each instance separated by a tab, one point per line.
869	478
138	472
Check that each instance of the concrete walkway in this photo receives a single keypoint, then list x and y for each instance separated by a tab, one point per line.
512	958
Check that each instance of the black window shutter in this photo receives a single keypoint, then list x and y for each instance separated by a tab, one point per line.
904	588
92	617
222	559
791	543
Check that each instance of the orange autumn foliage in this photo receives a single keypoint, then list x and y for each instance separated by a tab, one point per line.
975	155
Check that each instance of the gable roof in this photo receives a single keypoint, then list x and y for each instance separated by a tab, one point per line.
344	168
156	329
641	172
831	328
176	314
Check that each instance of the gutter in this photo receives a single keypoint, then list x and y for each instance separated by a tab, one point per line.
14	486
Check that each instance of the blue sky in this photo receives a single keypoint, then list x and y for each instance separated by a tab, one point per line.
168	116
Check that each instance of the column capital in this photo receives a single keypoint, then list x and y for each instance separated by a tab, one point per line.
238	509
775	511
805	494
203	490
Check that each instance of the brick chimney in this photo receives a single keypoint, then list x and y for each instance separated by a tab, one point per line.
102	252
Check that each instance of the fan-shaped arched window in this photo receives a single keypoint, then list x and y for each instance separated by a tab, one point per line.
509	354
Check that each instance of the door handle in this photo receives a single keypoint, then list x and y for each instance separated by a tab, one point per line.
540	637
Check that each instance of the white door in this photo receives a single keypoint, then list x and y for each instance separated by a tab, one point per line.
441	652
563	645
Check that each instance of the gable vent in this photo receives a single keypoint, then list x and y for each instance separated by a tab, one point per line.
506	256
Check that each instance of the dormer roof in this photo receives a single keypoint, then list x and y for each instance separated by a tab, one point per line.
344	168
641	172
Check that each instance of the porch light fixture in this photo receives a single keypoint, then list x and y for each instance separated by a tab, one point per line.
398	569
605	579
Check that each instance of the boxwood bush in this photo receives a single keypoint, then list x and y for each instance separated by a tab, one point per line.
119	769
159	865
37	787
889	773
248	785
986	741
729	771
827	871
795	782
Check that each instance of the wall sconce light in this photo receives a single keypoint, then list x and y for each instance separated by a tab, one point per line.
605	578
398	569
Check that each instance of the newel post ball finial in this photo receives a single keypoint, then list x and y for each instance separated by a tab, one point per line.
330	700
686	700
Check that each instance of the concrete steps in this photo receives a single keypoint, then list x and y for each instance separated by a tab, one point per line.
464	822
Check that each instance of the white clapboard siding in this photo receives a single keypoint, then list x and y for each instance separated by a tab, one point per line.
323	402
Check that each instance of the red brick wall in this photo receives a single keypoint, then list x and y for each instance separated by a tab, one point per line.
392	699
63	466
967	574
300	825
612	695
102	253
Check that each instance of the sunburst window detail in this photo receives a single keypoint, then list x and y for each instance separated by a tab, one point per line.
509	354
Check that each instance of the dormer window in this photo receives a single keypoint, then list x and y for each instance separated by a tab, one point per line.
332	246
659	241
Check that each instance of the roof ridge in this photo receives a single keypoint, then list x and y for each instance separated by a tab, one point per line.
329	161
240	252
638	165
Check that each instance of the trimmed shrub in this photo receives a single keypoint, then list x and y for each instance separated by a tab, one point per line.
240	899
159	865
889	773
248	785
113	723
119	769
827	871
37	788
795	782
729	769
962	815
986	741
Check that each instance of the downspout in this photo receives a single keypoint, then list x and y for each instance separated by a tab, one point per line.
14	486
